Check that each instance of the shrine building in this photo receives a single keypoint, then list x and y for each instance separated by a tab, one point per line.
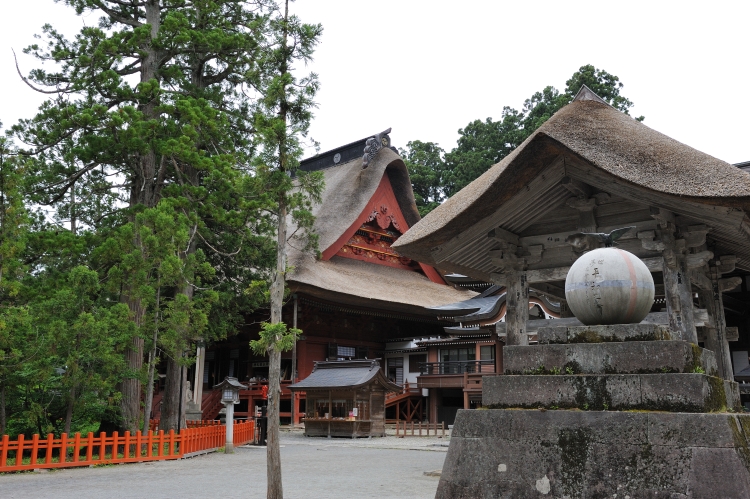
592	169
358	300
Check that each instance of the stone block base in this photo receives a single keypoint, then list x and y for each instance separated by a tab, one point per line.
605	334
630	357
521	454
678	392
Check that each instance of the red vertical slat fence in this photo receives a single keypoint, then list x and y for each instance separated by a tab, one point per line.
23	455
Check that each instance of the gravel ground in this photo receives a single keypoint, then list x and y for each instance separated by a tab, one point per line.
312	468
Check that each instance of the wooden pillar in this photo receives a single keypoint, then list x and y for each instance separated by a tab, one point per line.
433	405
679	295
498	354
677	289
466	394
295	404
517	306
723	355
200	362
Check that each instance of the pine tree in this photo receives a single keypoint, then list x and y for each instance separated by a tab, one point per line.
179	131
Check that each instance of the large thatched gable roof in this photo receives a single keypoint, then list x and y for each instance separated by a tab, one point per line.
606	139
348	189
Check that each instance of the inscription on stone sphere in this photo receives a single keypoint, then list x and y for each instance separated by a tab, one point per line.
609	286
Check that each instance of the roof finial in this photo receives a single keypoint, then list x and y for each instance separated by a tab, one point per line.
373	145
585	93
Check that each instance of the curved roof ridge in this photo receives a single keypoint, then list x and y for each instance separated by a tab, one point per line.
602	136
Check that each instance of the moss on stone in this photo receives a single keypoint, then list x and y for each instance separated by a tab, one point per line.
739	435
586	336
574	453
716	400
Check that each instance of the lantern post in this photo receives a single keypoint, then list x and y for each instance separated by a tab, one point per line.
230	395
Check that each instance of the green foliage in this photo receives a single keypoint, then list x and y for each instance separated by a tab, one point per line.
153	163
436	175
276	336
424	161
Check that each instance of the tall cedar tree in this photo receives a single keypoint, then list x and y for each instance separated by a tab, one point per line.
281	121
481	144
14	323
149	99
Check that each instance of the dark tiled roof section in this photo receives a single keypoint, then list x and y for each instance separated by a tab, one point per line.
344	374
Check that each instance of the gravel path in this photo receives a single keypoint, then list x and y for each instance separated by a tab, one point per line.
311	467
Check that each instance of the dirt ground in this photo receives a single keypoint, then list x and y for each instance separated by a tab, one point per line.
311	467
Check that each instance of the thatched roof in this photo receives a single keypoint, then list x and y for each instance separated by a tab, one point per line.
348	189
606	139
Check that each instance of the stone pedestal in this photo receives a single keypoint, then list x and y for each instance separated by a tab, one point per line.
520	454
193	411
626	411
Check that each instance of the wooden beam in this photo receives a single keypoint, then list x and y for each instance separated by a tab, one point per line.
560	273
504	236
698	260
729	283
576	187
549	290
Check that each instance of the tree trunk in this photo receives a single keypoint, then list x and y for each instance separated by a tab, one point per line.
152	364
144	191
69	411
2	410
131	387
273	450
171	405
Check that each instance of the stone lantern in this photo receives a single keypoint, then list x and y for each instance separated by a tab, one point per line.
230	395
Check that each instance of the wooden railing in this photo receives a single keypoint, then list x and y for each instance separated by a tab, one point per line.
153	424
65	452
415	429
456	367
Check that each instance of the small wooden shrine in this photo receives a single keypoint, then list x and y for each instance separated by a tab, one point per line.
345	399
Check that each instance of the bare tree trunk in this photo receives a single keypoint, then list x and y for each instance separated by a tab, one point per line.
2	410
69	411
152	364
273	451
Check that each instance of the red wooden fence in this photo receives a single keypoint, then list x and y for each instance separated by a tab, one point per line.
153	424
64	452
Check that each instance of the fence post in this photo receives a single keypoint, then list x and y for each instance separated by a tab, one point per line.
4	451
90	447
34	448
76	447
64	448
50	445
19	451
161	443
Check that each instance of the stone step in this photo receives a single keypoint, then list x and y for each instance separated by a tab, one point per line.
631	357
605	334
679	392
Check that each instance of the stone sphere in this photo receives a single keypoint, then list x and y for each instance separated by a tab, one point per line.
609	286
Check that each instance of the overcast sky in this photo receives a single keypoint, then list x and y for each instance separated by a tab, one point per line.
427	68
